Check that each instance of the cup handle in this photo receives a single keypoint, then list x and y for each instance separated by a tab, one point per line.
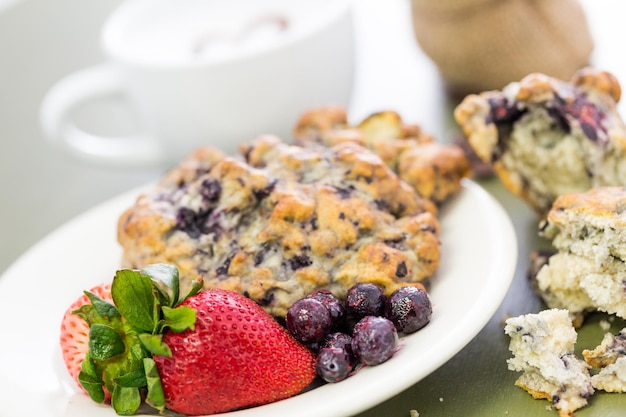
77	89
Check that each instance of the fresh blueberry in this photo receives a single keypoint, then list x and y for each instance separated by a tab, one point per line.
374	340
338	339
365	299
308	320
409	308
342	341
333	364
335	306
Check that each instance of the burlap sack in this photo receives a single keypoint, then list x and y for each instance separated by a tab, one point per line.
481	45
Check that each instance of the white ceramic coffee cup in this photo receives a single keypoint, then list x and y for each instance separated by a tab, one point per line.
206	72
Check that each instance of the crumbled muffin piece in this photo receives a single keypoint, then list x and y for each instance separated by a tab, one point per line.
279	221
608	351
433	169
611	378
589	271
610	357
543	349
546	137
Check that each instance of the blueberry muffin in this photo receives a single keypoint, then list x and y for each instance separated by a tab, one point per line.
610	358
543	349
546	137
279	221
434	170
588	272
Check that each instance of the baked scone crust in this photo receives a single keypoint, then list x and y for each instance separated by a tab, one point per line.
280	220
435	170
547	137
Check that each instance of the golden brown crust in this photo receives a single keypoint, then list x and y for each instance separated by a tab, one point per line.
540	395
601	81
433	169
324	119
610	359
196	163
599	203
283	220
608	351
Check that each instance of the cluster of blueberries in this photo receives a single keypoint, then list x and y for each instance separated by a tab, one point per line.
363	329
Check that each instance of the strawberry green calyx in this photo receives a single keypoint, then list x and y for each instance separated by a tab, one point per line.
124	336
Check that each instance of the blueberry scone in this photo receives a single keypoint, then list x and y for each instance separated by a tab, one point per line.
543	350
588	272
435	170
546	137
279	221
610	358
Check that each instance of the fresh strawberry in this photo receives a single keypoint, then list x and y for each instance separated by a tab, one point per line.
75	332
236	356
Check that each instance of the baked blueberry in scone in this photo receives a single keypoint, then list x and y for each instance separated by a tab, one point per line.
435	170
610	357
588	272
279	221
546	137
543	350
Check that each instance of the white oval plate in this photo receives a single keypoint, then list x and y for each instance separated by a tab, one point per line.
479	255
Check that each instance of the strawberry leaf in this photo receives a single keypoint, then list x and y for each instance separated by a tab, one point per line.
87	313
103	308
166	279
133	379
104	342
133	296
180	318
196	286
154	344
125	400
90	379
155	396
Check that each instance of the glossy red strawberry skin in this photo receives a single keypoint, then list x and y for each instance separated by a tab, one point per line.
236	356
74	337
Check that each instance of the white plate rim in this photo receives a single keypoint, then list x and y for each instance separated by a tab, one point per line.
482	266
